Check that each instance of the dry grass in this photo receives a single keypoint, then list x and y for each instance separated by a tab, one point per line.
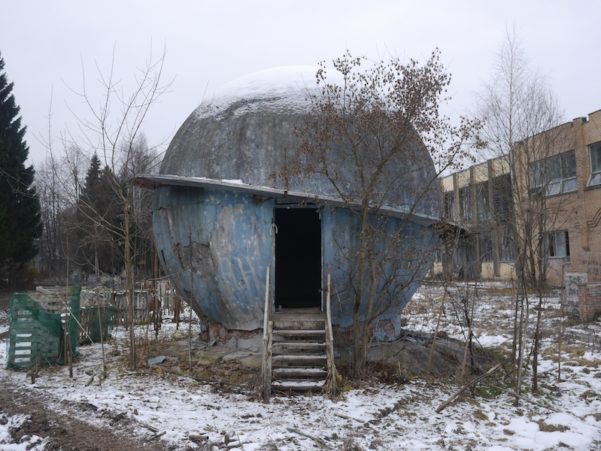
546	427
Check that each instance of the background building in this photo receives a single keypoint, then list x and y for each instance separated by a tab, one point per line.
554	177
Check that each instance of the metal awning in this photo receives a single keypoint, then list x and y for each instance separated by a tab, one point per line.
155	181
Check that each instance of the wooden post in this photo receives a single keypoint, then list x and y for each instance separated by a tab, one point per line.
473	382
267	332
100	312
331	386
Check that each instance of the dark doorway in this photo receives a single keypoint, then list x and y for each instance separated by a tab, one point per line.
297	258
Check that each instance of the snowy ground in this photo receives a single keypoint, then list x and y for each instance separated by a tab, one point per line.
178	412
10	423
3	321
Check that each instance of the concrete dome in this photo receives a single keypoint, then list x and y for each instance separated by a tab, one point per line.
246	132
216	242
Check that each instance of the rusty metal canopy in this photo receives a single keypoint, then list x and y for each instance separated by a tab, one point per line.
151	181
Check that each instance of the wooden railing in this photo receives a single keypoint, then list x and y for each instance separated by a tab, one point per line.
332	375
267	345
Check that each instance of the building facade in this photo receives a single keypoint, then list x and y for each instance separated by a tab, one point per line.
475	201
550	185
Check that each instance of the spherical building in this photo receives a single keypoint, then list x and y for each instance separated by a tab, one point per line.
224	212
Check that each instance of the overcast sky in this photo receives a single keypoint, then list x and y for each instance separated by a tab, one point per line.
208	43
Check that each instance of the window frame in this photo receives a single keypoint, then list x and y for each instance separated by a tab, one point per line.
540	173
465	204
485	245
483	210
551	244
449	205
595	175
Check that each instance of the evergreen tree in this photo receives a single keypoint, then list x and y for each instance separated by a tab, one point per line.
98	220
20	219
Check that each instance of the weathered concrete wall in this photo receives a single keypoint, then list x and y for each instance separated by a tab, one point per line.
216	246
405	254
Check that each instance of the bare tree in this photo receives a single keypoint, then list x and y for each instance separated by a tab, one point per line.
112	128
366	137
52	204
59	181
520	115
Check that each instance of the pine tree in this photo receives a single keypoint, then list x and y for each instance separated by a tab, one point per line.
98	221
20	219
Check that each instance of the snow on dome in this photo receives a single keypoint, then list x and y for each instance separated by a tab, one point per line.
274	81
279	90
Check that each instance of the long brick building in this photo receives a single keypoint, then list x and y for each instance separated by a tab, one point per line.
557	174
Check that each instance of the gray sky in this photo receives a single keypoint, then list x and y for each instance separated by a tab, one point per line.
208	43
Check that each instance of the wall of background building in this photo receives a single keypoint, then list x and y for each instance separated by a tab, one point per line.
577	212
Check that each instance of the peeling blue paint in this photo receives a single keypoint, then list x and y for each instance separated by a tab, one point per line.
217	244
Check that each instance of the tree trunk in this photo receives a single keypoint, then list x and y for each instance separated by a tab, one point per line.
520	346
537	340
129	276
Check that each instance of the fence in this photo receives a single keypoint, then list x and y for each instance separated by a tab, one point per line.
96	323
41	332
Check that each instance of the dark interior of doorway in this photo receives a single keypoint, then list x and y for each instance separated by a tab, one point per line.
297	258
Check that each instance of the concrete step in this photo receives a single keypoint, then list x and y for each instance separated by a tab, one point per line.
299	315
287	321
299	318
282	347
298	385
300	333
298	359
299	373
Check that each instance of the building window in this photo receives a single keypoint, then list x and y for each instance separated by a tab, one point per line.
482	201
595	153
558	244
506	253
485	243
449	205
502	197
465	201
553	175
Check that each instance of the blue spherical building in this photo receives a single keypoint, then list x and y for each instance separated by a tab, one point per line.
223	212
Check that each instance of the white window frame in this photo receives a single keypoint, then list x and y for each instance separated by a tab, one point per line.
595	177
553	239
552	187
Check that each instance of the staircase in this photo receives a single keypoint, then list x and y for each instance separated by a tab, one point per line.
299	358
298	348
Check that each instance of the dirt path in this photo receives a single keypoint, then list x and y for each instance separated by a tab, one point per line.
65	432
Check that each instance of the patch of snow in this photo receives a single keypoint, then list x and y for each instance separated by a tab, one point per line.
9	423
527	434
280	90
490	341
234	181
299	383
4	352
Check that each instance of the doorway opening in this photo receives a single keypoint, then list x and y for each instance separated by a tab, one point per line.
297	258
